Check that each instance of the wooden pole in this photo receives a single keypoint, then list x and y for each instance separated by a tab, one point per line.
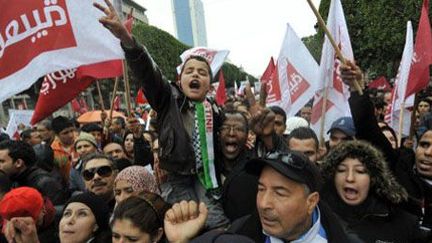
323	116
323	26
413	117
100	95
127	88
401	123
113	97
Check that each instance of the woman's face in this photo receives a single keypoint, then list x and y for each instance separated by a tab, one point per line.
352	181
124	231
123	190
77	223
129	143
423	107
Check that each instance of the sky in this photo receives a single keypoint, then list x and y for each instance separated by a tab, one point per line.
252	30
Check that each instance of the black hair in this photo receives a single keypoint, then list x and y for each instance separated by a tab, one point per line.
5	183
47	124
303	133
146	212
235	112
26	134
19	150
97	155
201	59
91	127
44	157
279	111
121	121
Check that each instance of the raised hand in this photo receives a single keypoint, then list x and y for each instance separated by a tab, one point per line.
112	22
133	125
262	122
184	221
350	73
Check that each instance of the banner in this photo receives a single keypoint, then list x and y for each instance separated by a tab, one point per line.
16	118
40	37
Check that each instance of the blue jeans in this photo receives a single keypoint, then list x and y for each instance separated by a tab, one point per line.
188	187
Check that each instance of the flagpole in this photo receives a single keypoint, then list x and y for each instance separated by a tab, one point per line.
323	26
127	88
100	95
413	117
113	97
401	123
323	115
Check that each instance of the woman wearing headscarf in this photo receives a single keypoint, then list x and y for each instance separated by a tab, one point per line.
133	180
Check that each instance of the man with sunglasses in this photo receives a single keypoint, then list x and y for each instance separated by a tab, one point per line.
99	172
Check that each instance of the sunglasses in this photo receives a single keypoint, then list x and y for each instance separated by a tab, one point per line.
103	171
288	159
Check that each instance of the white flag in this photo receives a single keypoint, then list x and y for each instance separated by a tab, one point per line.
41	37
297	74
17	117
399	90
214	57
330	81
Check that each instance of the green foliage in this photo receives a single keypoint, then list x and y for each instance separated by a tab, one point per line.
377	30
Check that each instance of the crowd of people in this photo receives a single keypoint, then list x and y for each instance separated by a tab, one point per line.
243	172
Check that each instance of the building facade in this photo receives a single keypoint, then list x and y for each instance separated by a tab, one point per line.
189	22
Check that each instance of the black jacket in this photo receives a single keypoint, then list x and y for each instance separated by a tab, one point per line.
250	226
175	118
419	193
42	181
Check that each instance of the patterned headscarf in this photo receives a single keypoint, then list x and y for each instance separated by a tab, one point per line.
139	178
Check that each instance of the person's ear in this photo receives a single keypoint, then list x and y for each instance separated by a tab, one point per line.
19	163
95	228
312	201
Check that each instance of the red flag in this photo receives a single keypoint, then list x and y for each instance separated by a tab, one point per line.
268	73
140	98
380	83
60	87
116	105
221	91
422	58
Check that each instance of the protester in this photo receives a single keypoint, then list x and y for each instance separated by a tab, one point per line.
85	144
46	132
128	145
31	136
293	123
304	140
424	107
306	113
412	172
115	150
181	111
97	132
133	180
99	172
18	162
362	191
140	218
64	153
280	119
118	126
140	148
341	130
25	205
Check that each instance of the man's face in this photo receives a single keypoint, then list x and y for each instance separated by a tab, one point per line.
284	208
306	113
97	135
279	124
35	138
67	136
195	80
114	150
84	147
336	137
306	146
46	135
424	155
101	185
233	136
7	165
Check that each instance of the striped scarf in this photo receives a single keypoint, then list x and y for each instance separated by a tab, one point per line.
203	144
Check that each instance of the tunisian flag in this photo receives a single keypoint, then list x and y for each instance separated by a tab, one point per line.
221	91
60	87
380	83
422	58
41	37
